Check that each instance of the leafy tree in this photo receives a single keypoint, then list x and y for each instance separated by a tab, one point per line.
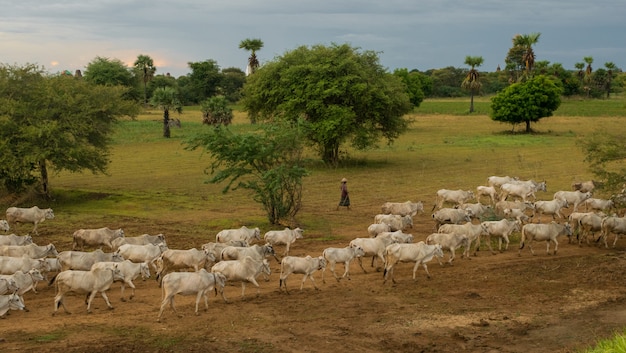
472	80
340	93
445	81
232	83
413	83
205	79
251	45
166	99
144	66
54	122
587	77
215	111
527	101
610	68
520	59
111	72
606	153
268	163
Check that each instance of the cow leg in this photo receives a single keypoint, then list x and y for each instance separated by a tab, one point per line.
163	305
506	240
132	292
530	246
361	264
332	269
91	296
312	280
556	245
106	299
198	297
616	236
58	300
346	272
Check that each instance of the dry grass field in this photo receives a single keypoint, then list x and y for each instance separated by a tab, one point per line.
490	303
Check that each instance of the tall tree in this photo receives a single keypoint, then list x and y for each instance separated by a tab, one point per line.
342	94
472	80
610	67
144	66
205	79
251	45
413	82
522	55
166	99
588	77
54	122
527	101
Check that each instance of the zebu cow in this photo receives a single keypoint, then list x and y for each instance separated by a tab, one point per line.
143	239
513	205
478	210
89	282
573	198
173	259
497	181
142	253
4	225
189	283
589	223
10	302
9	265
376	228
300	265
395	222
257	252
33	215
522	190
615	225
244	233
7	285
449	241
96	237
516	213
83	260
245	270
500	229
594	204
585	186
25	281
489	191
420	253
451	216
456	197
402	208
343	255
548	232
31	250
551	207
13	239
372	247
215	249
470	230
130	270
284	237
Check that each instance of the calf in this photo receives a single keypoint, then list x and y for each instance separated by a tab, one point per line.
190	283
300	265
130	270
489	191
245	270
420	253
90	282
548	232
343	255
449	241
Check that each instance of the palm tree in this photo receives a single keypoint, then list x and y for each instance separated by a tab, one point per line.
251	45
587	77
472	80
145	68
610	66
527	41
166	98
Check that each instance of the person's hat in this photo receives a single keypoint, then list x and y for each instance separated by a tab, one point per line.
344	180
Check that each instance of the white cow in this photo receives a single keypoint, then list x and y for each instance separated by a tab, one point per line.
342	255
500	229
407	208
215	249
244	233
199	283
33	215
573	198
284	237
13	239
88	282
470	230
142	253
615	225
376	228
585	186
516	213
83	260
522	191
513	205
130	270
595	204
96	237
25	281
373	247
420	253
31	250
174	259
449	241
456	197
395	222
257	252
497	181
478	210
10	302
4	225
489	191
546	232
300	265
551	207
9	264
245	270
589	223
451	216
143	239
7	285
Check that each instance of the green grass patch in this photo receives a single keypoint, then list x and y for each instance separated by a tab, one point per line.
615	344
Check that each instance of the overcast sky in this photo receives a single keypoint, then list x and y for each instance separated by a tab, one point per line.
413	34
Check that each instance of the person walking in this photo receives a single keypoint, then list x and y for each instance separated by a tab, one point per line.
345	196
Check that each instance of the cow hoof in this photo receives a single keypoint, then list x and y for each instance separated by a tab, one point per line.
111	308
26	309
123	299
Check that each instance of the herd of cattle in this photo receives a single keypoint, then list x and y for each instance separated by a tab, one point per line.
511	206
